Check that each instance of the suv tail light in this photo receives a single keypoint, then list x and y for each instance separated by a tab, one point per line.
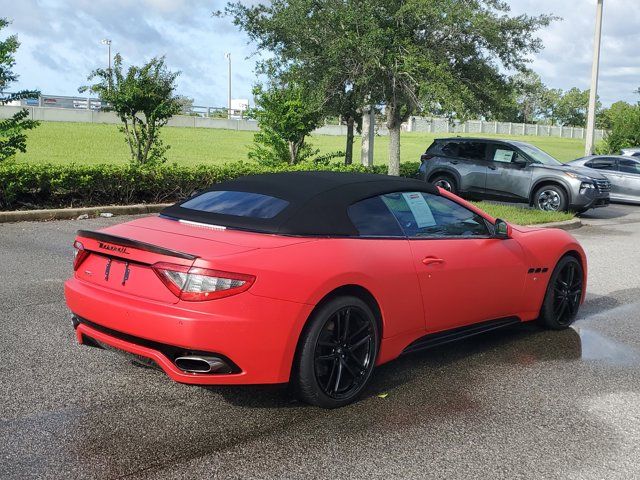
80	255
426	156
194	284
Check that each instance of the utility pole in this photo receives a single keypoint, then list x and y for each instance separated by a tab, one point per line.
228	57
107	42
591	117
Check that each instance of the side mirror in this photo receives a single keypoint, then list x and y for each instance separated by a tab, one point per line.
520	161
501	229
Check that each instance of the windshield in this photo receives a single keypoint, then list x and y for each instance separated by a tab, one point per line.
537	155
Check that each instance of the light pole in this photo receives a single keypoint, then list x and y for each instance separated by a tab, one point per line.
591	116
228	57
107	42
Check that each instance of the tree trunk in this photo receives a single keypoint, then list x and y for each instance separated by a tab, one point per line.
348	157
368	137
293	152
393	124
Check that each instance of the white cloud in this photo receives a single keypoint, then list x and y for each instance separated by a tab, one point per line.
61	43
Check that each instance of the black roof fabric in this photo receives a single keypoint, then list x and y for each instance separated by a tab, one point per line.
318	201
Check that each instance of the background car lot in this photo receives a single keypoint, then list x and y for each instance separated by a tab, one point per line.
517	403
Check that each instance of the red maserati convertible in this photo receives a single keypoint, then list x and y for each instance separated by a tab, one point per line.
314	278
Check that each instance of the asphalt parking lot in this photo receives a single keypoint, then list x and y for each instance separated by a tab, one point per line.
518	403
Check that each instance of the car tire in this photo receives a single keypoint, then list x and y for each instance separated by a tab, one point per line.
550	198
336	353
446	182
563	295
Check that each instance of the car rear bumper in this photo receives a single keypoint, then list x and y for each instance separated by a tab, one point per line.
256	335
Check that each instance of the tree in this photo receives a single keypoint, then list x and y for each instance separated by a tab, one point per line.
186	104
12	130
550	101
314	49
571	108
144	100
624	128
606	117
530	96
441	56
286	115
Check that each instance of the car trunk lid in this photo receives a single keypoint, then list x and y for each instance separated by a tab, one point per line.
121	257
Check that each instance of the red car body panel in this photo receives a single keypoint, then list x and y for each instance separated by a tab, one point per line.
259	329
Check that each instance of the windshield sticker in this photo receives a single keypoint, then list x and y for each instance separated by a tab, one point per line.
420	209
503	155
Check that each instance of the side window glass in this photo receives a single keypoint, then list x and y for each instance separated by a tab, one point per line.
629	166
473	150
372	218
451	149
504	155
423	215
602	164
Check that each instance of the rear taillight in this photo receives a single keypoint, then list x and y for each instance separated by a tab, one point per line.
426	156
194	284
80	255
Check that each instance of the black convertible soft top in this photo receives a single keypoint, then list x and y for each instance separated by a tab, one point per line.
317	201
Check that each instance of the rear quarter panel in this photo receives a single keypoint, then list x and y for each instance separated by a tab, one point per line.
307	272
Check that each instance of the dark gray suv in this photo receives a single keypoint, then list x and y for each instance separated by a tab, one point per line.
514	172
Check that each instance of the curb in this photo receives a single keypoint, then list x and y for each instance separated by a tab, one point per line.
572	224
74	213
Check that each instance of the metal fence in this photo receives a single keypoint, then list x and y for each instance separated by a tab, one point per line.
90	110
90	103
442	125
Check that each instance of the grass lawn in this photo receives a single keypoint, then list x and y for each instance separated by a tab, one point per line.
85	143
59	142
521	215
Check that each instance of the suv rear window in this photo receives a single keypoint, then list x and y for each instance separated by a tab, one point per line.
239	204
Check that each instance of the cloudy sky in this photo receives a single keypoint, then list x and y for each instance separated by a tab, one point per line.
61	44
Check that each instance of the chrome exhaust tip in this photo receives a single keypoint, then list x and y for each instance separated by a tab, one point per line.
201	364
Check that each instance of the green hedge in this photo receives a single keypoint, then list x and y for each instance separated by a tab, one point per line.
26	186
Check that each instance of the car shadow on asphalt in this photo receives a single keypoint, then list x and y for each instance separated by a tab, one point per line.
617	210
523	344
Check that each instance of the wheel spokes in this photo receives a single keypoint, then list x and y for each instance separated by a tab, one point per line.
333	370
341	359
567	293
349	369
360	343
338	377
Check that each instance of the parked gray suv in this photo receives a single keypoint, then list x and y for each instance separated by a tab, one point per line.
514	172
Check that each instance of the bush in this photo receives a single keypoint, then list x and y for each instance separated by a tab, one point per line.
26	186
624	122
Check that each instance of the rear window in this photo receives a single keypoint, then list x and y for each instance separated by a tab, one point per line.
239	204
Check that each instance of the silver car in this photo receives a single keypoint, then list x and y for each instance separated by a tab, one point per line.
512	171
630	152
622	171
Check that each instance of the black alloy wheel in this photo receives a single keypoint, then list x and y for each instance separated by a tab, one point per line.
344	352
564	293
337	353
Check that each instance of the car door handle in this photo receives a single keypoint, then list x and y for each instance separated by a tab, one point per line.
432	260
491	167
